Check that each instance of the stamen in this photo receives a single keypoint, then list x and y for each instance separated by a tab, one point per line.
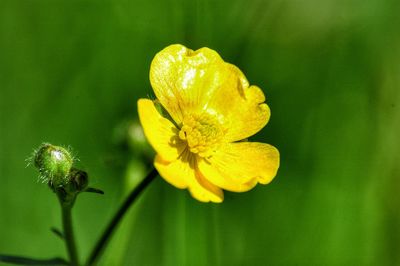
203	133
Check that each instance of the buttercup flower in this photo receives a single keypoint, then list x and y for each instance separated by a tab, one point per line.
209	112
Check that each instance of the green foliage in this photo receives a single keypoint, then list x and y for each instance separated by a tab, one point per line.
71	72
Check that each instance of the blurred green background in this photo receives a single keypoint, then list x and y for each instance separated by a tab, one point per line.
72	70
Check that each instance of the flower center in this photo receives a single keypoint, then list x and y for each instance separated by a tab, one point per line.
203	133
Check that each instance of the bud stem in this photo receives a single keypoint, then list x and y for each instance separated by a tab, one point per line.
69	237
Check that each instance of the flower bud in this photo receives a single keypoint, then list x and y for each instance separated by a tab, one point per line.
54	164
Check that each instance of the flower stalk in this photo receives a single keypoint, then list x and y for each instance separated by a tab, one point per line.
104	239
69	237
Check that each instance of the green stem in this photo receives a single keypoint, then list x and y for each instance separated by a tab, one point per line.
69	233
104	239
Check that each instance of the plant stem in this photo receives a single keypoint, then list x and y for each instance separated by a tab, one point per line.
69	233
104	239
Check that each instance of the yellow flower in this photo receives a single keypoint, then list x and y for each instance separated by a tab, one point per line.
201	143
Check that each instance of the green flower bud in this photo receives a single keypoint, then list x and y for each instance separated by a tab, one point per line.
54	164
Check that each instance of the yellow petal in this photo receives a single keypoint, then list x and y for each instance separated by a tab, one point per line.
183	79
174	173
159	131
241	108
183	173
204	191
187	82
240	166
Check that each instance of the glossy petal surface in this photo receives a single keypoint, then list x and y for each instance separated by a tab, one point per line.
183	173
241	107
240	166
183	80
159	131
187	81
